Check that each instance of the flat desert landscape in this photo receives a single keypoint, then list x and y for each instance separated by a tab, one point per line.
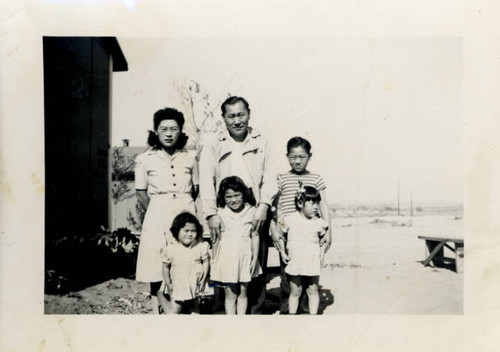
373	267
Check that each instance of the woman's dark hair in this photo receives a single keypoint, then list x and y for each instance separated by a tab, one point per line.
181	220
236	184
233	100
167	114
308	193
298	142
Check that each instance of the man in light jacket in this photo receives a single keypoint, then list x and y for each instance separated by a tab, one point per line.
242	152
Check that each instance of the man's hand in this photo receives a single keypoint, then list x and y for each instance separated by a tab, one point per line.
275	235
259	217
253	267
167	289
285	257
215	225
200	286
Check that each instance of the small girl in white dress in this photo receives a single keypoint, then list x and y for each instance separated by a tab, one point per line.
236	254
185	264
303	254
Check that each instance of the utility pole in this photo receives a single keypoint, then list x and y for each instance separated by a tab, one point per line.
398	199
411	204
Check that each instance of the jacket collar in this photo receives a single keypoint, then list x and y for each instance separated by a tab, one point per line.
249	144
252	134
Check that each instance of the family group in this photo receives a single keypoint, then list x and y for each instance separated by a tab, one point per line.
246	205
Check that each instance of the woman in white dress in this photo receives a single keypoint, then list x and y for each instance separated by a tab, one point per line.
166	182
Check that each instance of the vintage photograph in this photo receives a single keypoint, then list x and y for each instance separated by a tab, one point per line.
326	172
253	175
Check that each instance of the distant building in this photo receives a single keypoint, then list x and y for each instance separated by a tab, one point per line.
124	212
129	153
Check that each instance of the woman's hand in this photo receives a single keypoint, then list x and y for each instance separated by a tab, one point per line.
143	198
259	217
215	226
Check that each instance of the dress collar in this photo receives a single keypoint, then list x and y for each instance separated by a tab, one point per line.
164	155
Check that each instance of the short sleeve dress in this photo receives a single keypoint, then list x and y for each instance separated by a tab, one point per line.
185	267
303	244
233	256
169	181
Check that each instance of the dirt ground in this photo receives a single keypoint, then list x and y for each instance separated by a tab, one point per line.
373	267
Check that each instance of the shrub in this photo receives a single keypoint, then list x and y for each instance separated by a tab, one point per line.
77	261
119	241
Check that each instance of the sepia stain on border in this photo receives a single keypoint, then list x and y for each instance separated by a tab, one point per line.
65	333
491	271
39	187
41	345
388	86
5	188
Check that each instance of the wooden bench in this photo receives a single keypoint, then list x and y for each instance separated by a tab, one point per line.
435	246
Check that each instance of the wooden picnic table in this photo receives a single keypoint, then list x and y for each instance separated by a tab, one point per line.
435	246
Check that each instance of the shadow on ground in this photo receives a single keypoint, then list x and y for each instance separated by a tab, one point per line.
442	263
273	299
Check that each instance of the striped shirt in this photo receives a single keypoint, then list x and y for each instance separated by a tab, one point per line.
288	185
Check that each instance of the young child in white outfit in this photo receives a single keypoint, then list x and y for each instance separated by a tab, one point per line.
236	254
303	253
185	264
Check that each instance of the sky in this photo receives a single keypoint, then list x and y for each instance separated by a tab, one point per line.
376	110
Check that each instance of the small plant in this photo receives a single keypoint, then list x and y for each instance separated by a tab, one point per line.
135	220
54	282
119	241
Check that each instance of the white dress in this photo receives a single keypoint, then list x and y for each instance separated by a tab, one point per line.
233	256
169	181
185	267
303	244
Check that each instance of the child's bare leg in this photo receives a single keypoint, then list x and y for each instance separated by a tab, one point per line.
231	296
313	294
242	304
164	303
175	307
295	291
154	288
284	288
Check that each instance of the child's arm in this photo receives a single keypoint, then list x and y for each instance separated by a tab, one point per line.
323	249
279	240
325	214
167	278
203	278
255	252
205	264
